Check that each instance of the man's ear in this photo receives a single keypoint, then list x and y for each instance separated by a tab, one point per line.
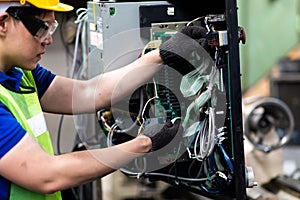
3	23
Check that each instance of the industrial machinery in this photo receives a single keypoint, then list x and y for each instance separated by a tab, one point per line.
207	154
268	127
269	123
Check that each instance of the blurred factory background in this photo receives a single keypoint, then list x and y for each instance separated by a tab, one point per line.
270	67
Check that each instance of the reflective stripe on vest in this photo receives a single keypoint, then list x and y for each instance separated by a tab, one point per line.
25	107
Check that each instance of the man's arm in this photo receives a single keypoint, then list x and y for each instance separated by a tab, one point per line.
69	96
28	165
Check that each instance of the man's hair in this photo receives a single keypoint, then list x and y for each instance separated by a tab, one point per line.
29	10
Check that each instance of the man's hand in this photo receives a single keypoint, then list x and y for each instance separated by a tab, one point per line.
177	51
161	134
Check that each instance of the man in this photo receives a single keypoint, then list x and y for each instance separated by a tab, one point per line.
28	168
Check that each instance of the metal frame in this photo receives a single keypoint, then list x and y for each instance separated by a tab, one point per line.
235	96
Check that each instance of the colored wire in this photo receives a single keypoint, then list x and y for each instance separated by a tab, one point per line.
226	157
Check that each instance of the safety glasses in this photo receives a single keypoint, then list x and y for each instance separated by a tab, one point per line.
46	30
38	28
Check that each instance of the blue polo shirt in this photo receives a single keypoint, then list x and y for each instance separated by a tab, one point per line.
11	132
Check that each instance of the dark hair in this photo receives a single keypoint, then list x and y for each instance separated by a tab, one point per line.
28	10
28	16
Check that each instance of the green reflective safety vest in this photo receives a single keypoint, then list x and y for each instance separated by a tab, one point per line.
26	108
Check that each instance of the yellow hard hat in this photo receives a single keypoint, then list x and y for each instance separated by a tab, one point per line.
54	5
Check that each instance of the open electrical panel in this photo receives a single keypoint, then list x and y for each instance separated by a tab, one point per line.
207	156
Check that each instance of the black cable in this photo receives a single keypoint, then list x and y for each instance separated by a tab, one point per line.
59	134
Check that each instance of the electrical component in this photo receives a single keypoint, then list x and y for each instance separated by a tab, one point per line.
194	99
202	158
